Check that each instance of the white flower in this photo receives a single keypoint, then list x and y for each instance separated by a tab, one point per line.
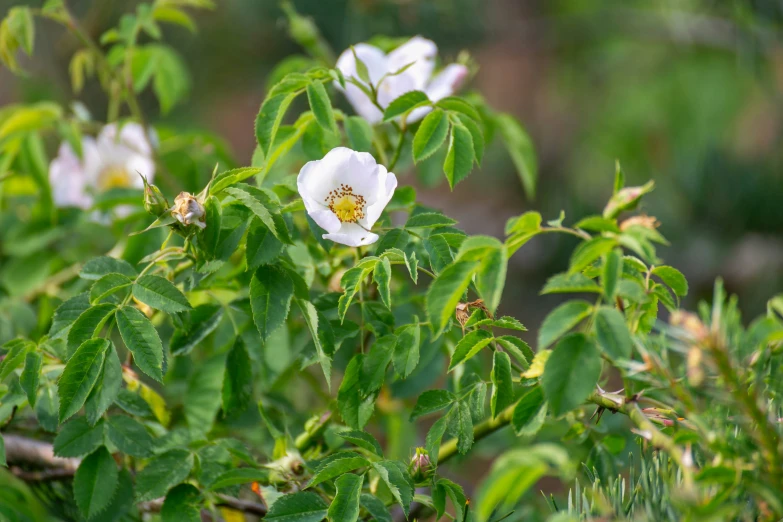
108	161
418	77
188	210
345	193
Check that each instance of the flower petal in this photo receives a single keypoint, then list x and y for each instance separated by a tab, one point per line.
447	82
375	61
421	53
68	180
341	165
351	234
132	136
326	219
385	192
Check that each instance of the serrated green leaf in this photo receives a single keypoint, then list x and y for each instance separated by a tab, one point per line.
463	425
323	337
431	401
406	350
429	220
80	375
142	340
321	106
16	353
430	136
404	103
88	325
382	278
612	333
95	483
235	477
262	246
238	381
527	411
520	148
129	436
586	253
106	387
568	283
271	291
160	293
351	282
183	504
107	286
77	438
469	346
375	507
345	506
561	320
363	440
336	467
359	133
163	473
259	203
355	408
518	349
460	155
303	506
673	278
395	475
477	134
571	373
31	375
502	385
204	395
395	238
446	292
270	116
66	314
98	267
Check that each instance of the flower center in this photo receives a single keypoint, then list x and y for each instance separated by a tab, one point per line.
347	206
113	176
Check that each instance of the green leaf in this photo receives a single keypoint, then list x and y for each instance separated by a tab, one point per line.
271	291
106	388
673	278
561	320
204	319
345	506
17	352
2	451
203	395
520	148
142	340
570	283
460	155
612	271
598	224
163	473
454	491
107	286
491	275
571	373
351	282
477	134
527	412
160	293
586	253
129	436
88	325
238	380
382	278
235	477
260	204
363	440
183	504
435	435
518	348
359	133
321	106
612	333
270	116
469	346
262	246
30	376
304	506
502	385
406	350
446	292
431	401
375	363
460	106
95	483
463	422
77	438
404	103
227	178
355	409
66	314
431	135
429	220
323	337
46	409
395	475
395	238
376	508
98	267
336	467
80	375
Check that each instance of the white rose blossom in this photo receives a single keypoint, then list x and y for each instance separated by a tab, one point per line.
108	161
345	193
417	51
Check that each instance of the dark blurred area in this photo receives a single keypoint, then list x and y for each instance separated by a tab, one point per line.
686	92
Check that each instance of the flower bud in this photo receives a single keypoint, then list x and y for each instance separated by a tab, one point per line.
421	468
188	210
154	201
643	221
302	29
626	199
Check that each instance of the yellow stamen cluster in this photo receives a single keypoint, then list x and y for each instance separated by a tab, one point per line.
347	206
113	176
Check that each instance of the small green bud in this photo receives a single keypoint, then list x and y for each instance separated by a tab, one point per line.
626	199
154	201
421	468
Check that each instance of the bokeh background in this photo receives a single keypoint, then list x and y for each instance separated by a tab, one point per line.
686	92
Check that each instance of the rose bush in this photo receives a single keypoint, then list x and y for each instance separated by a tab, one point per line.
299	339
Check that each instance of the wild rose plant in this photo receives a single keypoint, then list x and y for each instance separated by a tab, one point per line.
299	339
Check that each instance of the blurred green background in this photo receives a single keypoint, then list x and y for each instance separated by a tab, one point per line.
685	92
